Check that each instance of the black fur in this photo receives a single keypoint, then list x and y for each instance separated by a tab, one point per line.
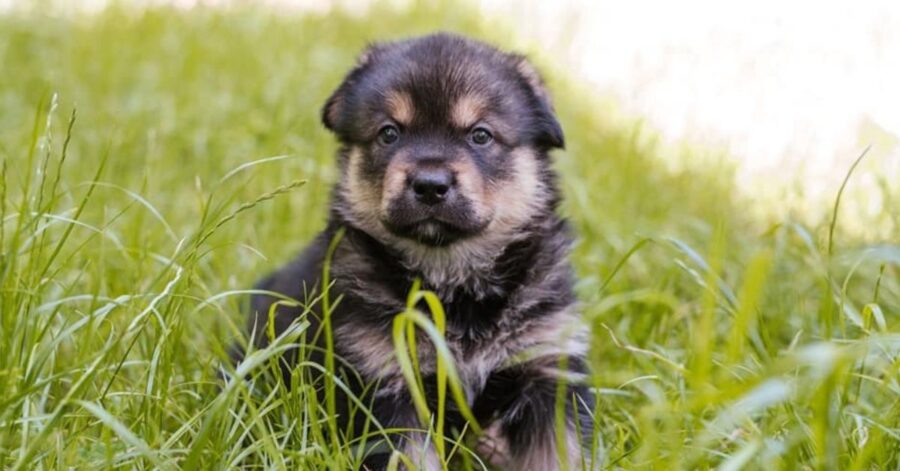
496	310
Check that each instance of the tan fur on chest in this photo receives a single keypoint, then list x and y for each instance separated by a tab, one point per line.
373	352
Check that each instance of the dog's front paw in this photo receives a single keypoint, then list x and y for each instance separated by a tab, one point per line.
493	447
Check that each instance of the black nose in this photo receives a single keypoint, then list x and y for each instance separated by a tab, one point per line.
432	186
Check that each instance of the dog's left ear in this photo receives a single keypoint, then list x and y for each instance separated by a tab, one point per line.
551	133
334	110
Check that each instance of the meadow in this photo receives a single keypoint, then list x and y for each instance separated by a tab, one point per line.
156	162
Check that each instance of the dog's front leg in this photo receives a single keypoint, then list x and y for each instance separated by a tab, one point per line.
396	412
523	399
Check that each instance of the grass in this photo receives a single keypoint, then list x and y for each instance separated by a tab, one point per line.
156	162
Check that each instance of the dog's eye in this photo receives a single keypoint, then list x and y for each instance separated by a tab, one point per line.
481	136
388	134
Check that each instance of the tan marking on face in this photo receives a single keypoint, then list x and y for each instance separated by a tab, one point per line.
394	180
362	196
516	200
509	204
471	185
400	107
467	111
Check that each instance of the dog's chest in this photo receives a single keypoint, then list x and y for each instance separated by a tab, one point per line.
475	336
472	322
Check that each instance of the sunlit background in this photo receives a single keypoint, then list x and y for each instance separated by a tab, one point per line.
157	157
790	93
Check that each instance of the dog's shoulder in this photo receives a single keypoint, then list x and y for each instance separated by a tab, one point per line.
296	283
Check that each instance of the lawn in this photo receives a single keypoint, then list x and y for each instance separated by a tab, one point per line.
155	163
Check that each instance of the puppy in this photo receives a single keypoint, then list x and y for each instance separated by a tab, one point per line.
445	178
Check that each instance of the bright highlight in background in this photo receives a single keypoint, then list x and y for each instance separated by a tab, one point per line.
790	91
793	91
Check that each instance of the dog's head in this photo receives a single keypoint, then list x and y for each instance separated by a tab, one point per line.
444	141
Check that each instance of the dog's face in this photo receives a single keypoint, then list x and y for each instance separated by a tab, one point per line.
444	140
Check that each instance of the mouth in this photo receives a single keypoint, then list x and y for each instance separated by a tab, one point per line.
433	231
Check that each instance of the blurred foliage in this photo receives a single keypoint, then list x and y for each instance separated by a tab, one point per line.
719	340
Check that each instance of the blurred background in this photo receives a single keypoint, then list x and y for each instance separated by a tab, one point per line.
158	157
788	93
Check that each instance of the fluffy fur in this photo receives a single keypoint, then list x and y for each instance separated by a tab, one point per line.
493	249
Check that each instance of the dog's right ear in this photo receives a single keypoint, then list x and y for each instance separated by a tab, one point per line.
334	110
331	110
551	133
